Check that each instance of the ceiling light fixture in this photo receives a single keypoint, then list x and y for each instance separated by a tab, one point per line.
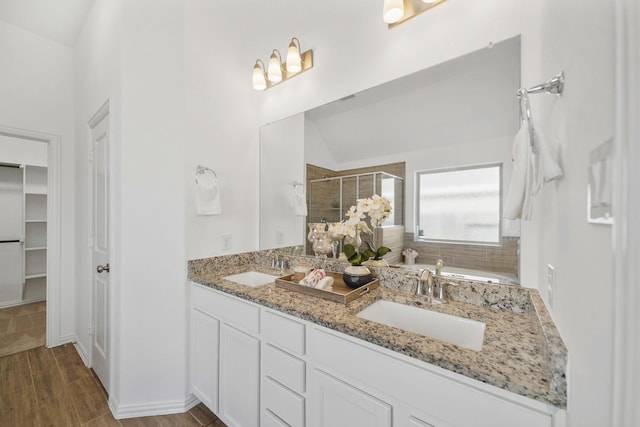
396	12
296	63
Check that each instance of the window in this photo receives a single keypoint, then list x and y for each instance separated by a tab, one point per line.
459	205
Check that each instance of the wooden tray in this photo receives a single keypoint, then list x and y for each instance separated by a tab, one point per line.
338	293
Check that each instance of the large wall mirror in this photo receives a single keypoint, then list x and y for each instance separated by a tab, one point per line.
457	115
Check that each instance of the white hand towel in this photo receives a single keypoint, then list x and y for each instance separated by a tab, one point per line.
299	201
546	163
518	204
207	195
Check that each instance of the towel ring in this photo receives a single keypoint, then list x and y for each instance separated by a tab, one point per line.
201	170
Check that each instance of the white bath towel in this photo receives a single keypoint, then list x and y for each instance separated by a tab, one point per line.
207	195
299	200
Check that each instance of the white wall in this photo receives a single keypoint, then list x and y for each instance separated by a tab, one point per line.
36	87
22	151
97	71
131	53
578	37
221	129
281	145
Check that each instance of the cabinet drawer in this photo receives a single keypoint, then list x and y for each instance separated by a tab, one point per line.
285	404
284	332
229	309
284	368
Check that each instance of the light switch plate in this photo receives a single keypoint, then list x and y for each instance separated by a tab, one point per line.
226	242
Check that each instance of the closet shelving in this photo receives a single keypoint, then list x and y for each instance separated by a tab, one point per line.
35	232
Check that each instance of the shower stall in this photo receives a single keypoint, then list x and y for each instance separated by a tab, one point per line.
330	198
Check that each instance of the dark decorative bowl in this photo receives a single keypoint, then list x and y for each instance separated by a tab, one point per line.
354	277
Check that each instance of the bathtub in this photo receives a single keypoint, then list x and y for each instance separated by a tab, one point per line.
465	273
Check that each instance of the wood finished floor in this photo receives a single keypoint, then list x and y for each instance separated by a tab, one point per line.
22	327
52	387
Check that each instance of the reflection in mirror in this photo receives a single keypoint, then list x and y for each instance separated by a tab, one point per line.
458	114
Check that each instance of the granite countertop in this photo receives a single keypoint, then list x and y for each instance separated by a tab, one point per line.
522	351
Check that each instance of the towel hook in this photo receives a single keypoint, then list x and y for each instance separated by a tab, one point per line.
201	170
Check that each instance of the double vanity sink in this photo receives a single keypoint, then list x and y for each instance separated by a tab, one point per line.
499	335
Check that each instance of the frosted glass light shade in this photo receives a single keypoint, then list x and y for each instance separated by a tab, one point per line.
274	72
259	81
393	11
429	1
294	61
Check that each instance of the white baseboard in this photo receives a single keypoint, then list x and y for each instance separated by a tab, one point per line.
15	303
151	409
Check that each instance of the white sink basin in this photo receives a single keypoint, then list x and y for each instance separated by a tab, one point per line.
444	327
251	278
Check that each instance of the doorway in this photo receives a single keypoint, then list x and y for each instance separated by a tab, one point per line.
31	163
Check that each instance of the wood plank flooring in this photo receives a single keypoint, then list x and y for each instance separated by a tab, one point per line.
52	387
22	327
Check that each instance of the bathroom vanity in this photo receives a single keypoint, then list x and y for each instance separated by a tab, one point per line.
267	356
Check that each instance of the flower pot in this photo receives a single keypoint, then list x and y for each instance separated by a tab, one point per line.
356	276
409	260
376	263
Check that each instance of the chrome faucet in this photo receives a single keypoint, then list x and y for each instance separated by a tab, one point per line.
424	287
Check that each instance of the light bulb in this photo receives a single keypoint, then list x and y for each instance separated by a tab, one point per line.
259	82
274	72
393	11
294	61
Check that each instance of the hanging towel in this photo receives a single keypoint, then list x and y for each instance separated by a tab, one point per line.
546	163
299	200
518	204
207	194
535	162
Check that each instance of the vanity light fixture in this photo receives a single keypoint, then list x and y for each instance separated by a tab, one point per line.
396	12
393	11
274	73
259	79
296	63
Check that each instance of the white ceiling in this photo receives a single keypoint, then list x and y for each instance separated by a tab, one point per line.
471	98
57	20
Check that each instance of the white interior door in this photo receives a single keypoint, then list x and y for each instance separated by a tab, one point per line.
100	249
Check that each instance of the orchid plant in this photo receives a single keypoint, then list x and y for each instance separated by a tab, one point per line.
377	209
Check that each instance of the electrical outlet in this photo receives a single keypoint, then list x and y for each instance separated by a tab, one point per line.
279	236
226	242
551	281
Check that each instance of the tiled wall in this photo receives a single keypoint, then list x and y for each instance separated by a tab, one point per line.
326	197
498	259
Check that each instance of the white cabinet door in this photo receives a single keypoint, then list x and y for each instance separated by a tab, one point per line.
338	404
239	377
205	348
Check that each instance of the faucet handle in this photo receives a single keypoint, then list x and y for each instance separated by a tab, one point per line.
439	267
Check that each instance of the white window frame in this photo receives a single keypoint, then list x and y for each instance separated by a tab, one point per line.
418	174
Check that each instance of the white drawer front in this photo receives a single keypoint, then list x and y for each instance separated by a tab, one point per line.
284	368
284	403
284	332
232	310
